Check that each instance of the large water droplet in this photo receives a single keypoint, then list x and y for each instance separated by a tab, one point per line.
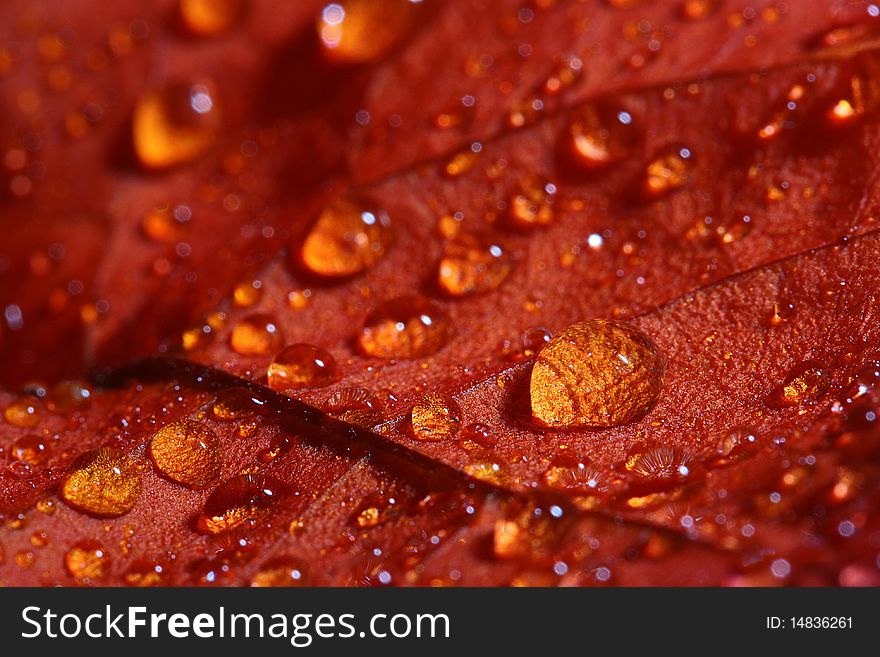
597	373
405	327
187	452
173	125
241	500
435	417
346	239
256	335
302	366
469	269
102	482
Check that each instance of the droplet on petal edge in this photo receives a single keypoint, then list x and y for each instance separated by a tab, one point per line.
598	373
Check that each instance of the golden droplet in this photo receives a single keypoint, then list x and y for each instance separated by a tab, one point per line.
573	474
405	327
597	373
65	396
346	239
485	471
356	406
359	31
247	294
47	506
531	204
805	384
256	335
600	135
697	10
435	417
243	499
210	17
282	573
30	449
160	225
660	463
668	171
187	452
87	561
144	573
174	125
103	482
23	413
469	269
302	366
781	312
235	404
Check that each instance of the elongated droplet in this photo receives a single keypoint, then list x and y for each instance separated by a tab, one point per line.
805	383
359	31
470	269
103	482
241	500
405	327
302	366
187	452
597	373
173	125
356	406
435	417
256	335
210	17
347	238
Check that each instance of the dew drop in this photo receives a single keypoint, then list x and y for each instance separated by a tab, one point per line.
435	417
668	463
601	134
346	239
241	500
598	373
805	384
102	482
302	366
173	125
30	449
256	335
23	413
235	404
697	10
405	327
480	434
187	452
143	573
279	573
781	312
669	170
247	294
210	17
531	204
65	396
470	269
573	474
735	444
87	562
373	510
360	31
356	406
534	339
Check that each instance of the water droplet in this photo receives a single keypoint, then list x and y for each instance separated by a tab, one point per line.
356	406
531	204
486	471
145	573
736	443
302	366
187	452
235	404
533	340
469	269
241	500
256	335
279	573
247	294
669	170
480	434
435	417
210	17
30	449
360	31
574	474
697	10
87	562
66	396
346	239
375	509
669	463
173	125
597	373
805	384
102	482
405	327
23	413
601	134
781	312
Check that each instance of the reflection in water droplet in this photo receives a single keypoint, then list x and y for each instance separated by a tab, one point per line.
102	482
805	384
346	239
360	31
534	339
405	327
435	417
174	125
187	452
596	373
480	434
87	561
241	500
256	335
302	366
470	269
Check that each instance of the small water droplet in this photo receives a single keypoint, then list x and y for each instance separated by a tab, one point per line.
601	134
697	10
534	339
435	417
87	562
574	474
405	327
805	384
480	434
356	406
30	449
65	396
247	294
302	366
102	482
782	311
597	373
347	238
469	269
735	444
531	204
23	413
187	452
256	335
279	573
375	509
145	573
235	404
360	31
670	170
241	500
210	17
174	125
667	463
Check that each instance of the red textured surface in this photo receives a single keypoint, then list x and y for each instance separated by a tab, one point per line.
796	507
